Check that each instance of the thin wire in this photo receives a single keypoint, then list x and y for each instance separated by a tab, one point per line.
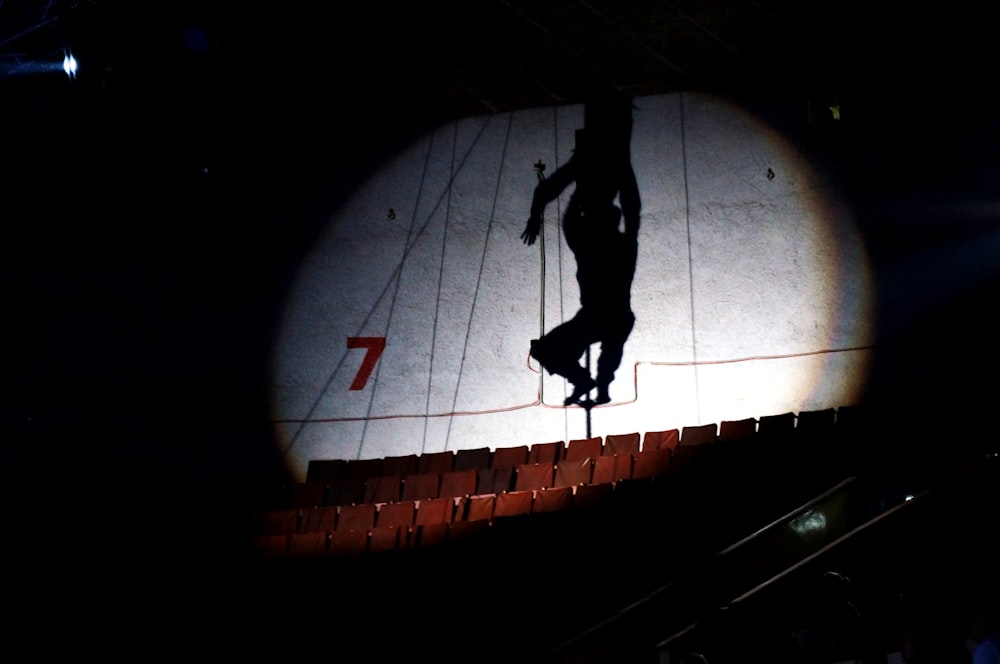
541	237
378	300
687	219
541	311
437	304
479	277
399	281
541	306
562	302
617	404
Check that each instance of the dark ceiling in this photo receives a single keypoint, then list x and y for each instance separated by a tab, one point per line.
192	83
443	58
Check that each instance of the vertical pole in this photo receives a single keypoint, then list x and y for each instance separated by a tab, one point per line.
588	404
540	170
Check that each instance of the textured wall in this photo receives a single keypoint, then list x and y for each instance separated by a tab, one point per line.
751	293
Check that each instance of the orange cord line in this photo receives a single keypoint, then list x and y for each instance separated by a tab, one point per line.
538	401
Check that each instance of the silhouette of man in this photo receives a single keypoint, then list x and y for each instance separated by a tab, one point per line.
603	237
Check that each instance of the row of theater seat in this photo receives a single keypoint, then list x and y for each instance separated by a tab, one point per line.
480	471
321	470
366	527
415	500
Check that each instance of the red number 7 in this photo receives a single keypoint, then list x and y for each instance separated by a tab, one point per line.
374	346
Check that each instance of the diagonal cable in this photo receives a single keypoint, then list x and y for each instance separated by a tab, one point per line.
479	276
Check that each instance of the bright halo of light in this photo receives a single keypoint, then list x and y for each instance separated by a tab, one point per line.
752	291
69	65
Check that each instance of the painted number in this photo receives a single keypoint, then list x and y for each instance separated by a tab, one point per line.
373	347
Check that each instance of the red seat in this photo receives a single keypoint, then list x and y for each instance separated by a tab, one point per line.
387	538
346	491
435	510
651	463
513	503
549	453
356	517
573	472
494	480
430	524
458	483
383	489
508	457
318	519
308	546
591	495
610	469
581	448
658	440
399	465
363	468
476	508
816	421
703	434
737	430
347	542
396	514
421	486
436	462
474	459
621	443
533	476
556	499
776	425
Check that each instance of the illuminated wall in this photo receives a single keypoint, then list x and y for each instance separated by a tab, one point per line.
408	327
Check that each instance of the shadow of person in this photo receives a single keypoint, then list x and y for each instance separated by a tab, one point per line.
601	226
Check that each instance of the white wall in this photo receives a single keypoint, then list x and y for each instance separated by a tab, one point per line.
752	293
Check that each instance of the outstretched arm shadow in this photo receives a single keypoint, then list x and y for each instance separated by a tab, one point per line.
547	191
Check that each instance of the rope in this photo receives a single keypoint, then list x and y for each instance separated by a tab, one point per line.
539	170
395	273
437	302
479	278
635	382
687	219
395	291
